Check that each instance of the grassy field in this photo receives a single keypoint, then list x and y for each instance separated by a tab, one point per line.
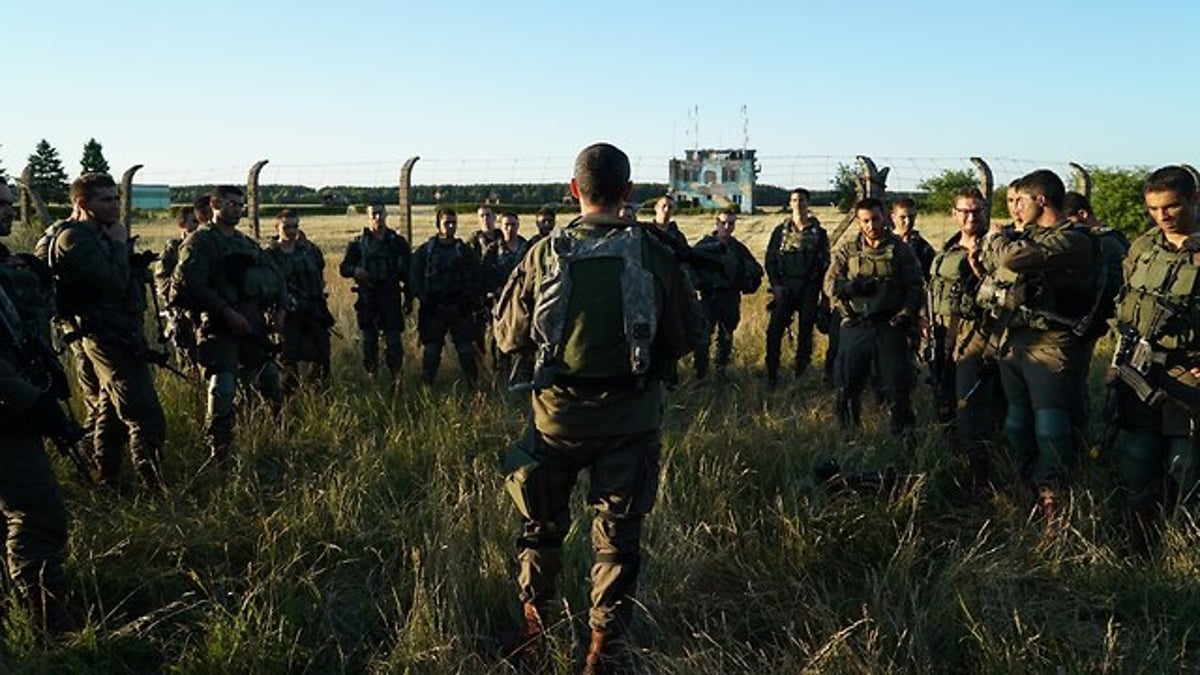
370	532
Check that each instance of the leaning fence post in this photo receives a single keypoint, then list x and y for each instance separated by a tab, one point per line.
405	201
127	193
252	193
31	201
1081	180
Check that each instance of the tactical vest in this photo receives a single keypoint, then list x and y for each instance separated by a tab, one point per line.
302	271
878	264
445	271
241	272
30	294
1159	298
638	309
799	251
950	295
382	257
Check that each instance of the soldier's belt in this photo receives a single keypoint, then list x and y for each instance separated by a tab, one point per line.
1140	386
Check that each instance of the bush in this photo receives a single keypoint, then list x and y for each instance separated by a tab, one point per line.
940	189
1117	198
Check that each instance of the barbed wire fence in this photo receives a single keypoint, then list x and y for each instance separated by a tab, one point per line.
815	172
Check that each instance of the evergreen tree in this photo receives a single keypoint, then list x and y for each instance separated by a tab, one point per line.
49	178
93	157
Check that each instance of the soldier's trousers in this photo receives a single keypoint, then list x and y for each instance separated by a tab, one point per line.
874	348
225	359
1040	376
433	323
722	314
34	514
1159	453
101	429
801	302
624	472
976	391
128	398
378	312
304	340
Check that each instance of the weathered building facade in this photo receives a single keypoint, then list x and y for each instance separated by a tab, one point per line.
714	179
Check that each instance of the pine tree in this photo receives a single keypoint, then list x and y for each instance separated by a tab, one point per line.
49	178
93	158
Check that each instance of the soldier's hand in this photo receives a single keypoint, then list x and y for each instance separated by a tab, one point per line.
361	275
902	321
777	293
237	323
116	232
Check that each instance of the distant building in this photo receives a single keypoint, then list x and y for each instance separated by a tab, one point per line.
151	197
714	179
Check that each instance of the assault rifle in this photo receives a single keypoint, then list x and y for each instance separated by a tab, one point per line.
41	365
829	474
709	259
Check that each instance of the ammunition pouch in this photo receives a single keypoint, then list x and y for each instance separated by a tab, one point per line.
521	473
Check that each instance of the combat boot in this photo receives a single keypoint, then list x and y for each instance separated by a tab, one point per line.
1144	533
604	656
526	649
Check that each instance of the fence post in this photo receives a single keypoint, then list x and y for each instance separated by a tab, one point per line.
31	201
1081	180
127	194
405	201
252	194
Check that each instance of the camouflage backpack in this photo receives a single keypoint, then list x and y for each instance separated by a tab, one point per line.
638	309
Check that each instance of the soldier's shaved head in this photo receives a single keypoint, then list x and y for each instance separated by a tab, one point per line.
602	175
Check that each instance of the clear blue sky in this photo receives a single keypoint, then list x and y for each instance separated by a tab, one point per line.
337	92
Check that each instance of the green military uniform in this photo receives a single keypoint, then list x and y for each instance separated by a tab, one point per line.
720	296
1157	317
181	330
959	336
308	320
797	259
602	402
102	299
1046	278
1113	245
382	301
34	515
447	278
217	271
878	293
922	249
481	309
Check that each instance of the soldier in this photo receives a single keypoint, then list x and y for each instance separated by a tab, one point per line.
1047	288
904	222
100	285
181	330
226	277
34	516
796	262
959	336
720	293
544	222
487	234
664	208
446	278
601	335
1113	247
499	259
876	282
379	260
1156	365
307	322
